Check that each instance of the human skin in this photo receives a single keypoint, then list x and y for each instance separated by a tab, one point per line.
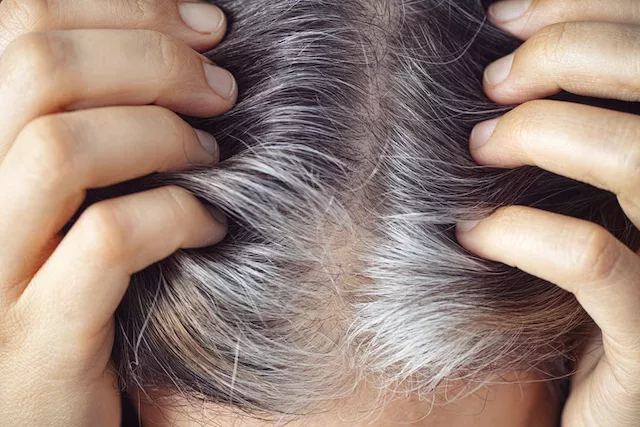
587	48
76	117
58	295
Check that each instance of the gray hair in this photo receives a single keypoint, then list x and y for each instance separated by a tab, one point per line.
344	170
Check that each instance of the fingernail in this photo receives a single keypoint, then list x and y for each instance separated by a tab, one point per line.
498	71
482	132
220	80
217	214
202	17
466	226
509	10
208	142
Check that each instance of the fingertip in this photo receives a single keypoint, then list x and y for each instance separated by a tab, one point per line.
513	16
501	82
464	233
467	226
488	148
217	215
513	91
208	22
498	71
202	17
508	10
481	133
220	227
210	152
221	82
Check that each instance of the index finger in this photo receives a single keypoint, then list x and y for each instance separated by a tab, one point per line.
579	256
523	18
198	24
44	73
585	58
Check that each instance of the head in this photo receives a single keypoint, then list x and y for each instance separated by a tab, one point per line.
344	170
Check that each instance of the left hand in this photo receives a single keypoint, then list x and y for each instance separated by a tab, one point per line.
589	48
77	80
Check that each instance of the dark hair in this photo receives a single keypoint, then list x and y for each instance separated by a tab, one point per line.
345	169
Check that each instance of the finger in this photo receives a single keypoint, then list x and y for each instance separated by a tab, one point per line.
586	58
56	158
79	287
579	256
49	72
198	24
588	144
523	18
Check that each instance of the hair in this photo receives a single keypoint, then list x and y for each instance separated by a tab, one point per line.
344	170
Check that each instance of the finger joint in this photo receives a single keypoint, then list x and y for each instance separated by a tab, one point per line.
38	58
104	234
46	144
21	16
181	205
550	45
598	256
170	61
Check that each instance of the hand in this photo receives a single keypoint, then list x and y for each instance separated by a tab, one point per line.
76	115
589	144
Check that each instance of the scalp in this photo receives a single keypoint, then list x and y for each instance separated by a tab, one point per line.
344	170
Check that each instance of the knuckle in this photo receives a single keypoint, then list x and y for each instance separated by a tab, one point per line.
47	146
20	16
146	11
550	43
173	125
170	56
174	130
527	117
37	57
103	233
596	254
629	169
181	206
554	11
180	202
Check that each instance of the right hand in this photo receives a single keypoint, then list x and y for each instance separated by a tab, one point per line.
588	48
76	114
